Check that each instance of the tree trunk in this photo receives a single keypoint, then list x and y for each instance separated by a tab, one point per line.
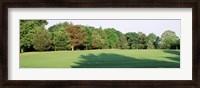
72	47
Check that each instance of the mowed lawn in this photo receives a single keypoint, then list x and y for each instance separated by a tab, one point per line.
114	58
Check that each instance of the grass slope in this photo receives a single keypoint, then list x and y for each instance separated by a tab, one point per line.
102	59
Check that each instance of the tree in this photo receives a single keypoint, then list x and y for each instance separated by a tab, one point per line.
99	39
122	43
132	38
58	27
142	40
111	37
88	30
93	35
28	28
156	43
151	37
61	40
77	35
42	40
104	40
96	40
59	36
176	45
150	45
168	39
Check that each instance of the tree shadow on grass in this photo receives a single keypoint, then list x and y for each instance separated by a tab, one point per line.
176	59
108	60
175	52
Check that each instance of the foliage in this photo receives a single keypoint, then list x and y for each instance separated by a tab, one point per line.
28	28
156	43
96	40
65	36
168	39
42	40
152	37
104	40
111	37
59	37
178	44
61	40
122	43
132	38
88	30
150	45
58	27
142	40
76	34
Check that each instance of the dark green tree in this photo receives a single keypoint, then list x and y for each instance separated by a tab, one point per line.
178	44
156	43
61	40
132	38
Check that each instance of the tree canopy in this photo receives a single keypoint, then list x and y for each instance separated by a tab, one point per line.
28	29
168	40
66	36
76	34
42	40
111	37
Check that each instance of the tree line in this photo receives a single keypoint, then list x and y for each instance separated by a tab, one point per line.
67	36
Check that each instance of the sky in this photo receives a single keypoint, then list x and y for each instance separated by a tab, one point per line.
146	26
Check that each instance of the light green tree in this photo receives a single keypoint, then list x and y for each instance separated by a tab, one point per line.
168	38
150	45
111	37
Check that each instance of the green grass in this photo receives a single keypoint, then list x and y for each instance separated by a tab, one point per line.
102	59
